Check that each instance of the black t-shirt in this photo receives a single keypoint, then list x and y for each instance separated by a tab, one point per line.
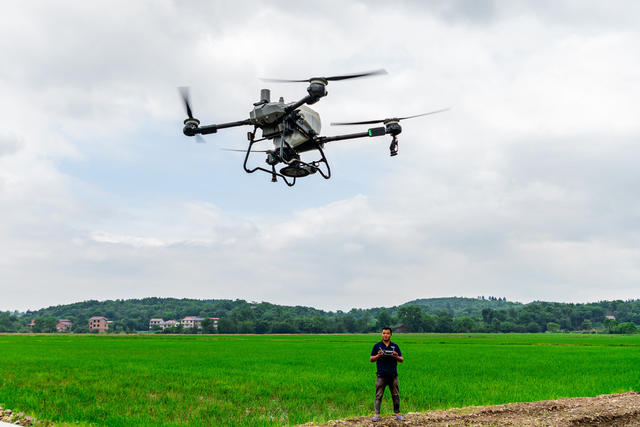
386	364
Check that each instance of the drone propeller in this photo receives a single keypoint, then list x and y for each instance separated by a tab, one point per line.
332	78
244	151
393	119
184	92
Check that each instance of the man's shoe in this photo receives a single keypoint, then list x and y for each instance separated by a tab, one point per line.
399	418
376	418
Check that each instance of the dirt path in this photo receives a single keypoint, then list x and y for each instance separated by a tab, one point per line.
607	410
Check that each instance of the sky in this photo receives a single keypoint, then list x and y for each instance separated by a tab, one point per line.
525	189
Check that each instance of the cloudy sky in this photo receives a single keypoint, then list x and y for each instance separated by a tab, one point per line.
527	188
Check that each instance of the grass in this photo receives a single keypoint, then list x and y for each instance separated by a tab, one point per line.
290	379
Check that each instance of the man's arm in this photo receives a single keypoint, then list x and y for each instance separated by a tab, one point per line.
398	355
375	357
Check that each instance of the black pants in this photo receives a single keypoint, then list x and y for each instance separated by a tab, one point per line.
381	384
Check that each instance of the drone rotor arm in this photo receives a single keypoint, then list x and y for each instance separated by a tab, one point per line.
205	130
379	131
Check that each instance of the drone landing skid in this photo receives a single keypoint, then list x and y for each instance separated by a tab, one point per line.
294	169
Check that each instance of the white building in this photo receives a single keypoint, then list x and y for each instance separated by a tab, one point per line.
158	323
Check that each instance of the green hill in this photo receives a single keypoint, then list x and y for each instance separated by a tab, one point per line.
459	306
452	314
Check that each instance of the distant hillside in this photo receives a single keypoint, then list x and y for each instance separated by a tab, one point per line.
168	308
453	314
458	306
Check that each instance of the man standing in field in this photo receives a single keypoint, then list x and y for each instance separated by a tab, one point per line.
387	354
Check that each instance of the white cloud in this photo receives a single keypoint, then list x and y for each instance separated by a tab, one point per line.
526	188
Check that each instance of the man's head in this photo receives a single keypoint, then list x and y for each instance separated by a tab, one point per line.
386	334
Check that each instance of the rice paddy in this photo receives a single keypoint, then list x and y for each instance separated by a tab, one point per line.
122	380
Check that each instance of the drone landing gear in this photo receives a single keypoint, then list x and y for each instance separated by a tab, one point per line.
272	172
295	168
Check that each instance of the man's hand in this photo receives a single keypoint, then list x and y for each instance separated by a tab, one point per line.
376	357
398	357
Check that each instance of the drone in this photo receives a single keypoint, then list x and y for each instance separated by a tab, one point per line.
294	128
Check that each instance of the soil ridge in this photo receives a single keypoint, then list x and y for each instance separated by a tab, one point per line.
619	409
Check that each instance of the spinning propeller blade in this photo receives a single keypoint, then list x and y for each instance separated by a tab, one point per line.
329	79
184	92
244	151
392	119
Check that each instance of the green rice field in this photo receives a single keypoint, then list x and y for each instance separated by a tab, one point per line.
120	380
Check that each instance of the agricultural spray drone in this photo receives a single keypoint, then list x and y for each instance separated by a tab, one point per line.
294	128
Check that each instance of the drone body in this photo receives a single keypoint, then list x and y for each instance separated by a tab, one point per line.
294	128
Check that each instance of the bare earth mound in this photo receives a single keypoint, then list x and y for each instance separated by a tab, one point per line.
621	409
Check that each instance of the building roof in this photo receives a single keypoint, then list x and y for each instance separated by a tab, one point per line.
97	318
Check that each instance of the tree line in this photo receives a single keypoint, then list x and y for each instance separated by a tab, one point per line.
467	315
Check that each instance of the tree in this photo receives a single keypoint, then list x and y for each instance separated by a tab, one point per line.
411	317
463	324
610	325
45	324
429	323
627	328
262	327
383	320
488	315
246	327
227	325
444	322
349	323
283	328
553	327
208	326
533	327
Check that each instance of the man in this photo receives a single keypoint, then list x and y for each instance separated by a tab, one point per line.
387	354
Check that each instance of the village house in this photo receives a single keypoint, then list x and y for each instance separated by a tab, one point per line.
215	321
158	323
170	324
98	323
192	322
63	325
